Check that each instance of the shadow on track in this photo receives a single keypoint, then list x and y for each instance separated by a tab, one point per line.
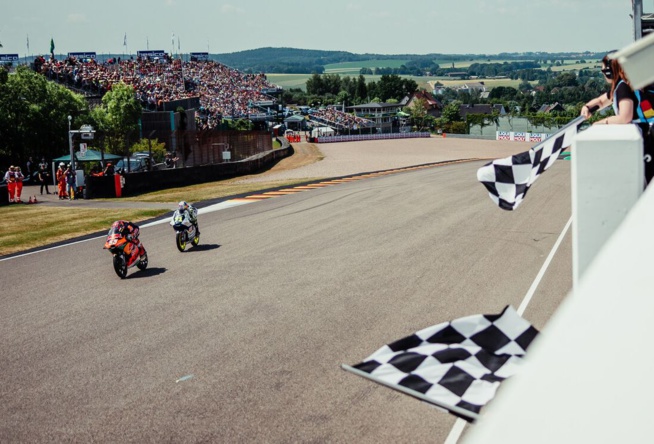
203	247
148	272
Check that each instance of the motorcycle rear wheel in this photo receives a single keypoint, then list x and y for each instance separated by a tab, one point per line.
180	240
120	265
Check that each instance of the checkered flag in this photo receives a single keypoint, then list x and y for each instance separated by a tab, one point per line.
457	365
509	179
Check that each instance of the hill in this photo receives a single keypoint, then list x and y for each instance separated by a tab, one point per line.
307	61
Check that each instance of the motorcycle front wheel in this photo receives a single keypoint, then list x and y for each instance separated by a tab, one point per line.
180	241
120	265
196	240
143	262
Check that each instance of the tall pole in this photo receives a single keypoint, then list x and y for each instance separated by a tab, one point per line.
70	144
637	14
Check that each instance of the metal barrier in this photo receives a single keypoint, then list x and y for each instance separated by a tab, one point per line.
359	137
607	180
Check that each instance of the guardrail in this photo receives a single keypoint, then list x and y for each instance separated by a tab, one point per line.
359	137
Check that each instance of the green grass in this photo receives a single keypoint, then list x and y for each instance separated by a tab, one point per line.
354	67
30	226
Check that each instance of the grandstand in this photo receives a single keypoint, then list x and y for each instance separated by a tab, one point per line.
339	121
216	90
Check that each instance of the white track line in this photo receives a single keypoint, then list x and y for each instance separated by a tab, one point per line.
459	425
210	209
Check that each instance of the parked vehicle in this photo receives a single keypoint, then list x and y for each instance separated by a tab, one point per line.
135	165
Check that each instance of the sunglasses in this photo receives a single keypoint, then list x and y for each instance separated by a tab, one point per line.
607	73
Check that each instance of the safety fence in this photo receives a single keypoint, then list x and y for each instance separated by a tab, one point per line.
360	137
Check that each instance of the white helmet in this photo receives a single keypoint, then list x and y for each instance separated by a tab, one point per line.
182	206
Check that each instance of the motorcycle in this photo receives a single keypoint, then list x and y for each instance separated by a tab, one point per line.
185	230
125	253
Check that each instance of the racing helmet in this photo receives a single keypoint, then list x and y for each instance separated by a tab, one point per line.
182	206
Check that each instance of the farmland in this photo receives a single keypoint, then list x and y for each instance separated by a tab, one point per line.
288	81
351	69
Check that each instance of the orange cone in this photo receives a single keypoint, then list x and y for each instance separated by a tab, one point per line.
34	201
30	201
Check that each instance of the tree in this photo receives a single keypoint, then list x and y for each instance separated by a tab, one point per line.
418	113
34	115
158	149
451	112
118	118
315	86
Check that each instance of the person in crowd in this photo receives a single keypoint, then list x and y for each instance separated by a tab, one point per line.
61	181
71	182
10	178
19	184
43	164
96	170
109	169
44	177
624	102
29	166
170	161
185	208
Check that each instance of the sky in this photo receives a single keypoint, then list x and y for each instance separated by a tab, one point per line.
363	26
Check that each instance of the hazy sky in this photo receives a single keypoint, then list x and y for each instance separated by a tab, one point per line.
363	26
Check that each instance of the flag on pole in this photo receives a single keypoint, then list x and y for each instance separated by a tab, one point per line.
125	40
456	365
28	43
52	46
508	180
178	43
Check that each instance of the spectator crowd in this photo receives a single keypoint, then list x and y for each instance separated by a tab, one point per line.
340	120
222	91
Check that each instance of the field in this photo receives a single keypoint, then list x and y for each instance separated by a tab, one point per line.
288	81
351	69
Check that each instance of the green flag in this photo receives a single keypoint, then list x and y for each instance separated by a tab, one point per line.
52	46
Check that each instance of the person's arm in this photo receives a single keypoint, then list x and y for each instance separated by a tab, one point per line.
599	102
625	113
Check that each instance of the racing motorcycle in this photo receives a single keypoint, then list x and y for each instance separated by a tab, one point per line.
126	254
184	230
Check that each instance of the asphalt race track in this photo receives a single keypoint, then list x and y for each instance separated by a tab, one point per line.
241	339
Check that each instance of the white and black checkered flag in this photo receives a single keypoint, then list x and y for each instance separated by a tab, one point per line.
457	365
509	179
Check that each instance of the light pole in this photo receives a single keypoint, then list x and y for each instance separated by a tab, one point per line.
70	144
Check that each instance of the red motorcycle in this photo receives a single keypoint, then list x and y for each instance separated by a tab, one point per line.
126	253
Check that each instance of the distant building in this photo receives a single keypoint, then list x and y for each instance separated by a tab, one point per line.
439	88
550	108
384	115
434	106
473	86
481	108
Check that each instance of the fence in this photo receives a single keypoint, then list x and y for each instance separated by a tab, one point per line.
359	137
211	146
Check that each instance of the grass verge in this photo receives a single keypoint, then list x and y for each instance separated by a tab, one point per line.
31	226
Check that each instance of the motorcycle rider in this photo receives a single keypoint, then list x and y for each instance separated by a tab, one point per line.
131	232
184	207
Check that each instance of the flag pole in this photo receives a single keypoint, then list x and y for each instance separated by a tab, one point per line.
463	413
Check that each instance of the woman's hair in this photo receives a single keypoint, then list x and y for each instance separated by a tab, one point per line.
617	73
